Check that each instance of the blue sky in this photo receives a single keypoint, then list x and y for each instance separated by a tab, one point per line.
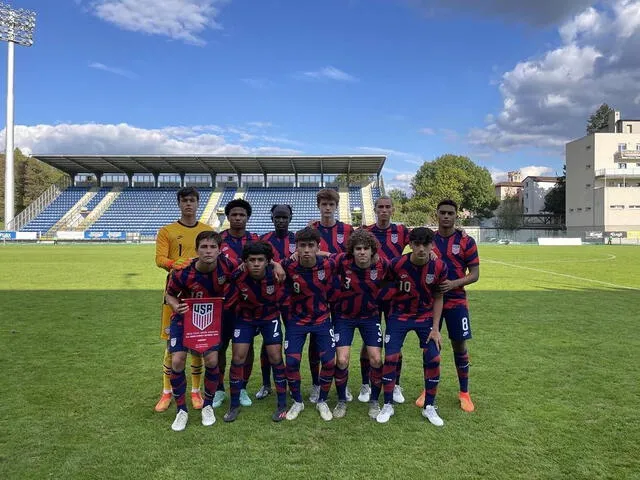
507	83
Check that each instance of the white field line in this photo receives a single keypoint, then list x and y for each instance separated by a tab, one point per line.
608	258
574	277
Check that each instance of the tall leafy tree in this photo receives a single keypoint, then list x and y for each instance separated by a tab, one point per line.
509	214
555	199
599	119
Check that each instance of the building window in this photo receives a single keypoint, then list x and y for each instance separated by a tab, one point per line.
579	209
588	147
588	185
617	207
571	210
638	147
622	165
587	166
629	128
634	206
622	147
588	209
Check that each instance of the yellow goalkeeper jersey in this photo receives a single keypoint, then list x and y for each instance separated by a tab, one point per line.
175	241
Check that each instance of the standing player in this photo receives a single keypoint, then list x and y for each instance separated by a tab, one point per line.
460	253
238	212
175	246
392	238
361	280
283	243
204	277
416	304
309	278
258	299
334	236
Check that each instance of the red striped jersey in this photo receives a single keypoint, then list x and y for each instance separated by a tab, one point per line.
232	246
191	283
256	299
415	288
391	240
282	247
360	288
307	288
334	239
458	251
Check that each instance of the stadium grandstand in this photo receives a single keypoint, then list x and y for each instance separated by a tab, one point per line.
123	197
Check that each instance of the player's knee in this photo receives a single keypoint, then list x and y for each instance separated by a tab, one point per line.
342	360
458	346
211	360
375	359
274	353
178	361
293	363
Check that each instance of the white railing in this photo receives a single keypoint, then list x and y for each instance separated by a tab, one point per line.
618	172
39	204
627	156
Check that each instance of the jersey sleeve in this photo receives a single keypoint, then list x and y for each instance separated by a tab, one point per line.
471	252
162	249
175	285
405	236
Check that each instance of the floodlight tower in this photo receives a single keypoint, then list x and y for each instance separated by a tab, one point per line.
16	26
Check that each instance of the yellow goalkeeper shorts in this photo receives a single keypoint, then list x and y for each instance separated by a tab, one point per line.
166	321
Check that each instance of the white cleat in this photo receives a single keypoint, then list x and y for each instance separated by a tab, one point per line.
385	414
341	410
180	423
314	395
264	392
325	411
349	395
295	410
208	417
374	410
429	412
398	397
365	393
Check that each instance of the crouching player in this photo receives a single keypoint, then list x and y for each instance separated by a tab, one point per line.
416	304
258	299
205	277
357	307
309	277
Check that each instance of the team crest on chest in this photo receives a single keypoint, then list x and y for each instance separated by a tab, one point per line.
373	274
292	247
455	249
394	238
340	237
321	275
430	277
222	279
270	289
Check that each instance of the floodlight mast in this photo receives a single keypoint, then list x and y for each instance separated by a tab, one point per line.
16	26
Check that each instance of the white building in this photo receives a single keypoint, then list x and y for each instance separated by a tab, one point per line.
511	188
603	179
534	189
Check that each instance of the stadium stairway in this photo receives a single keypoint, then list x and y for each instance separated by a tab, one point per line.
368	208
99	209
67	220
238	195
345	211
209	215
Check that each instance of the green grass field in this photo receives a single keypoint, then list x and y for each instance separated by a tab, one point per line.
555	378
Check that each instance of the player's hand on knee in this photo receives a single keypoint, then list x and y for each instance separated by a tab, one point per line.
435	336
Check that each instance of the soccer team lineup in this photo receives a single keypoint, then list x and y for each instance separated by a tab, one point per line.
312	288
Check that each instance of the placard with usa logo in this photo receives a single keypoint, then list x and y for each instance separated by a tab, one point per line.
203	323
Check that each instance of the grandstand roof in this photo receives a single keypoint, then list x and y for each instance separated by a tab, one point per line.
230	164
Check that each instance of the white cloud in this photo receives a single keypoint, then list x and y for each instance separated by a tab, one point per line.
260	125
124	139
499	175
427	131
404	156
401	180
329	73
547	100
183	20
115	70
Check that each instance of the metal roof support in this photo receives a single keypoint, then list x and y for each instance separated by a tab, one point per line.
182	181
156	179
321	173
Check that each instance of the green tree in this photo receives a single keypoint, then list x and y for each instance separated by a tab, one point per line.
599	119
355	179
555	199
399	197
509	214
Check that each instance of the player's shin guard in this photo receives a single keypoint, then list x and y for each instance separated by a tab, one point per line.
389	371
293	376
327	373
280	379
211	379
236	382
222	363
248	368
179	387
462	367
365	366
376	383
431	364
399	369
166	372
196	371
314	363
342	377
265	367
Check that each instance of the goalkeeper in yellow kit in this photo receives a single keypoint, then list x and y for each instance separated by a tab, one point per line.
175	247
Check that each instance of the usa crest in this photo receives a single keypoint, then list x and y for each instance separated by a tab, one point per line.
236	333
394	238
221	279
340	237
430	277
373	274
270	289
292	247
202	315
455	249
320	274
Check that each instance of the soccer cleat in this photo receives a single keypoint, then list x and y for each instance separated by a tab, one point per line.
264	392
385	414
180	423
374	410
465	402
295	410
315	393
196	400
325	411
348	395
279	415
341	410
231	415
420	400
218	398
245	399
163	403
365	393
208	417
398	397
429	412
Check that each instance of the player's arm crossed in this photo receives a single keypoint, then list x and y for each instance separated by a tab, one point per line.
472	276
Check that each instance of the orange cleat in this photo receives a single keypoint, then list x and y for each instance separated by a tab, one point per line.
420	400
163	403
196	400
465	402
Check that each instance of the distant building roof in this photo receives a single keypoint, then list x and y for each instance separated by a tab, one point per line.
542	179
508	184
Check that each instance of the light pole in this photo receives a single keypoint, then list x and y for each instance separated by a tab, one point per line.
16	26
